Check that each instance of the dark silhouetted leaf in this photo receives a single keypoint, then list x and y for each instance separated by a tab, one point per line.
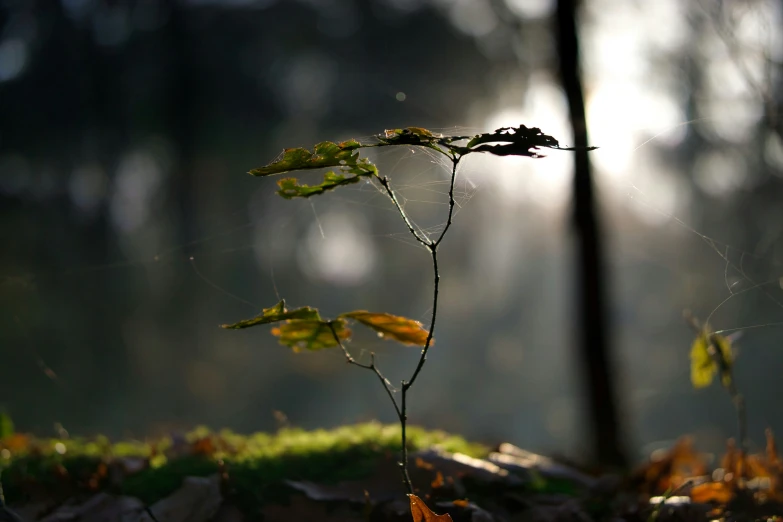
519	141
402	329
311	334
421	513
325	154
275	314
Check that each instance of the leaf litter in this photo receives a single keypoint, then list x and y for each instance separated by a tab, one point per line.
206	476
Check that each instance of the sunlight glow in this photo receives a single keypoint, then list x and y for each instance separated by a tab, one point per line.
338	249
545	181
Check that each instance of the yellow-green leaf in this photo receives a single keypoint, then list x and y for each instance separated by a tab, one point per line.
311	334
275	314
324	154
290	187
710	354
401	329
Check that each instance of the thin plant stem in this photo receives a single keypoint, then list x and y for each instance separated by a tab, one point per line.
385	183
724	368
454	163
432	246
372	366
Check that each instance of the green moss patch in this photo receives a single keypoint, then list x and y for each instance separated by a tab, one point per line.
254	467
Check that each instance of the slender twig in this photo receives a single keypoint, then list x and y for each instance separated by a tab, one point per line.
454	163
372	366
428	342
421	239
150	513
724	368
432	246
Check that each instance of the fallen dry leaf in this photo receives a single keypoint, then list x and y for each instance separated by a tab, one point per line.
421	513
715	492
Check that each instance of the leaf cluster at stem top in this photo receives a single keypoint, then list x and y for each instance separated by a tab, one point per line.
344	156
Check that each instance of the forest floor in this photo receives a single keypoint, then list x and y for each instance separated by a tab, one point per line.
351	474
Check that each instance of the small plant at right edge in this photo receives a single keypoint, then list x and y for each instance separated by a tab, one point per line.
711	355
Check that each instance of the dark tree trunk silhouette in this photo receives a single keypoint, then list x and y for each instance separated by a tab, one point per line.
593	345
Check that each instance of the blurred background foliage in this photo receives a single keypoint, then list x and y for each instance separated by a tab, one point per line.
130	229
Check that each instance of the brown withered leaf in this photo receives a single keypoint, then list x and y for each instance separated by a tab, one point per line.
421	513
15	443
712	492
203	446
388	326
671	469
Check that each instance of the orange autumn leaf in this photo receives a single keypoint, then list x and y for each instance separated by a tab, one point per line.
388	326
423	464
758	466
15	443
462	503
670	469
421	513
438	482
717	492
203	446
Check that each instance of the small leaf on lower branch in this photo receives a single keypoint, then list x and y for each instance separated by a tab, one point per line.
401	329
276	314
311	334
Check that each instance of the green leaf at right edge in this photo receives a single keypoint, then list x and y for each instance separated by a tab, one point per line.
311	334
401	329
703	364
276	314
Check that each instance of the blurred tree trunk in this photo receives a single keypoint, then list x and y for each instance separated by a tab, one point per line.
594	352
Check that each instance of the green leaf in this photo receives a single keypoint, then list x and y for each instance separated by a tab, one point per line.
6	425
311	334
275	314
409	136
290	187
325	154
706	362
511	141
401	329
